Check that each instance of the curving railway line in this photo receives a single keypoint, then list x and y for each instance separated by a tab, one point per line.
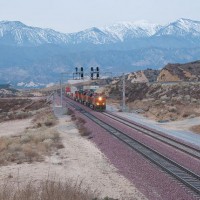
156	135
186	176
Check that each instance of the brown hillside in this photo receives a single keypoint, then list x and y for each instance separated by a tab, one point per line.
180	72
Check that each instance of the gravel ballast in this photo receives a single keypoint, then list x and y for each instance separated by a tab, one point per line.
148	178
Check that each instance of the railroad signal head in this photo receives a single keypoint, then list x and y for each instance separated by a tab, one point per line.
76	69
91	73
81	73
97	70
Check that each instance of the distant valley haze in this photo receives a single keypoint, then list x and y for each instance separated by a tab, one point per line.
34	56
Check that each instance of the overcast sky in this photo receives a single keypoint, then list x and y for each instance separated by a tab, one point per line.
75	15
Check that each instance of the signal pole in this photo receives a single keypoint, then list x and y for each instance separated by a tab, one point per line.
123	94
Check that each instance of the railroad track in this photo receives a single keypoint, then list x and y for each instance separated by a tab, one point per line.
156	135
187	177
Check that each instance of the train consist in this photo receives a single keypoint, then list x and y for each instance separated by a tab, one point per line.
89	98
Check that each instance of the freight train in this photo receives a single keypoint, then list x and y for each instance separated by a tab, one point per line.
89	98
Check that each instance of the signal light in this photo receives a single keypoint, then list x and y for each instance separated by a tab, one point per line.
81	73
91	73
97	70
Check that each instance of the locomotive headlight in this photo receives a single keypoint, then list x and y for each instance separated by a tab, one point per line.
100	98
97	104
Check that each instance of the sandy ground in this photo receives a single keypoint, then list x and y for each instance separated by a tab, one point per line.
179	129
79	160
14	127
182	124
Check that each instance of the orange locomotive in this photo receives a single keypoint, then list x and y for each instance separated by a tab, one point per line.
91	99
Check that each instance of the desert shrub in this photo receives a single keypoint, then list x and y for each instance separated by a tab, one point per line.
73	117
81	120
195	128
30	153
84	131
69	111
186	114
49	123
22	115
80	125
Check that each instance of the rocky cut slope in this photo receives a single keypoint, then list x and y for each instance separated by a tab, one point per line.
180	72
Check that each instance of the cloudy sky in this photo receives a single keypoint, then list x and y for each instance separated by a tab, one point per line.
75	15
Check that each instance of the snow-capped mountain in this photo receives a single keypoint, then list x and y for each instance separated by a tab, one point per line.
35	55
181	28
17	33
93	35
127	30
115	33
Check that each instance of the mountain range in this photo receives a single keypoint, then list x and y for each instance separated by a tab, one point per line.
36	55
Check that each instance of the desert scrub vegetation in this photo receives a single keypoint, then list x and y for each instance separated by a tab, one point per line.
37	141
31	146
80	123
19	108
44	117
71	113
45	190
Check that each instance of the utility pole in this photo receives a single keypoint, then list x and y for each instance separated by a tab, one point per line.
61	91
123	94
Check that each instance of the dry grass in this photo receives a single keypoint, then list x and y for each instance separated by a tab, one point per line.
195	129
80	124
46	190
29	147
45	117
